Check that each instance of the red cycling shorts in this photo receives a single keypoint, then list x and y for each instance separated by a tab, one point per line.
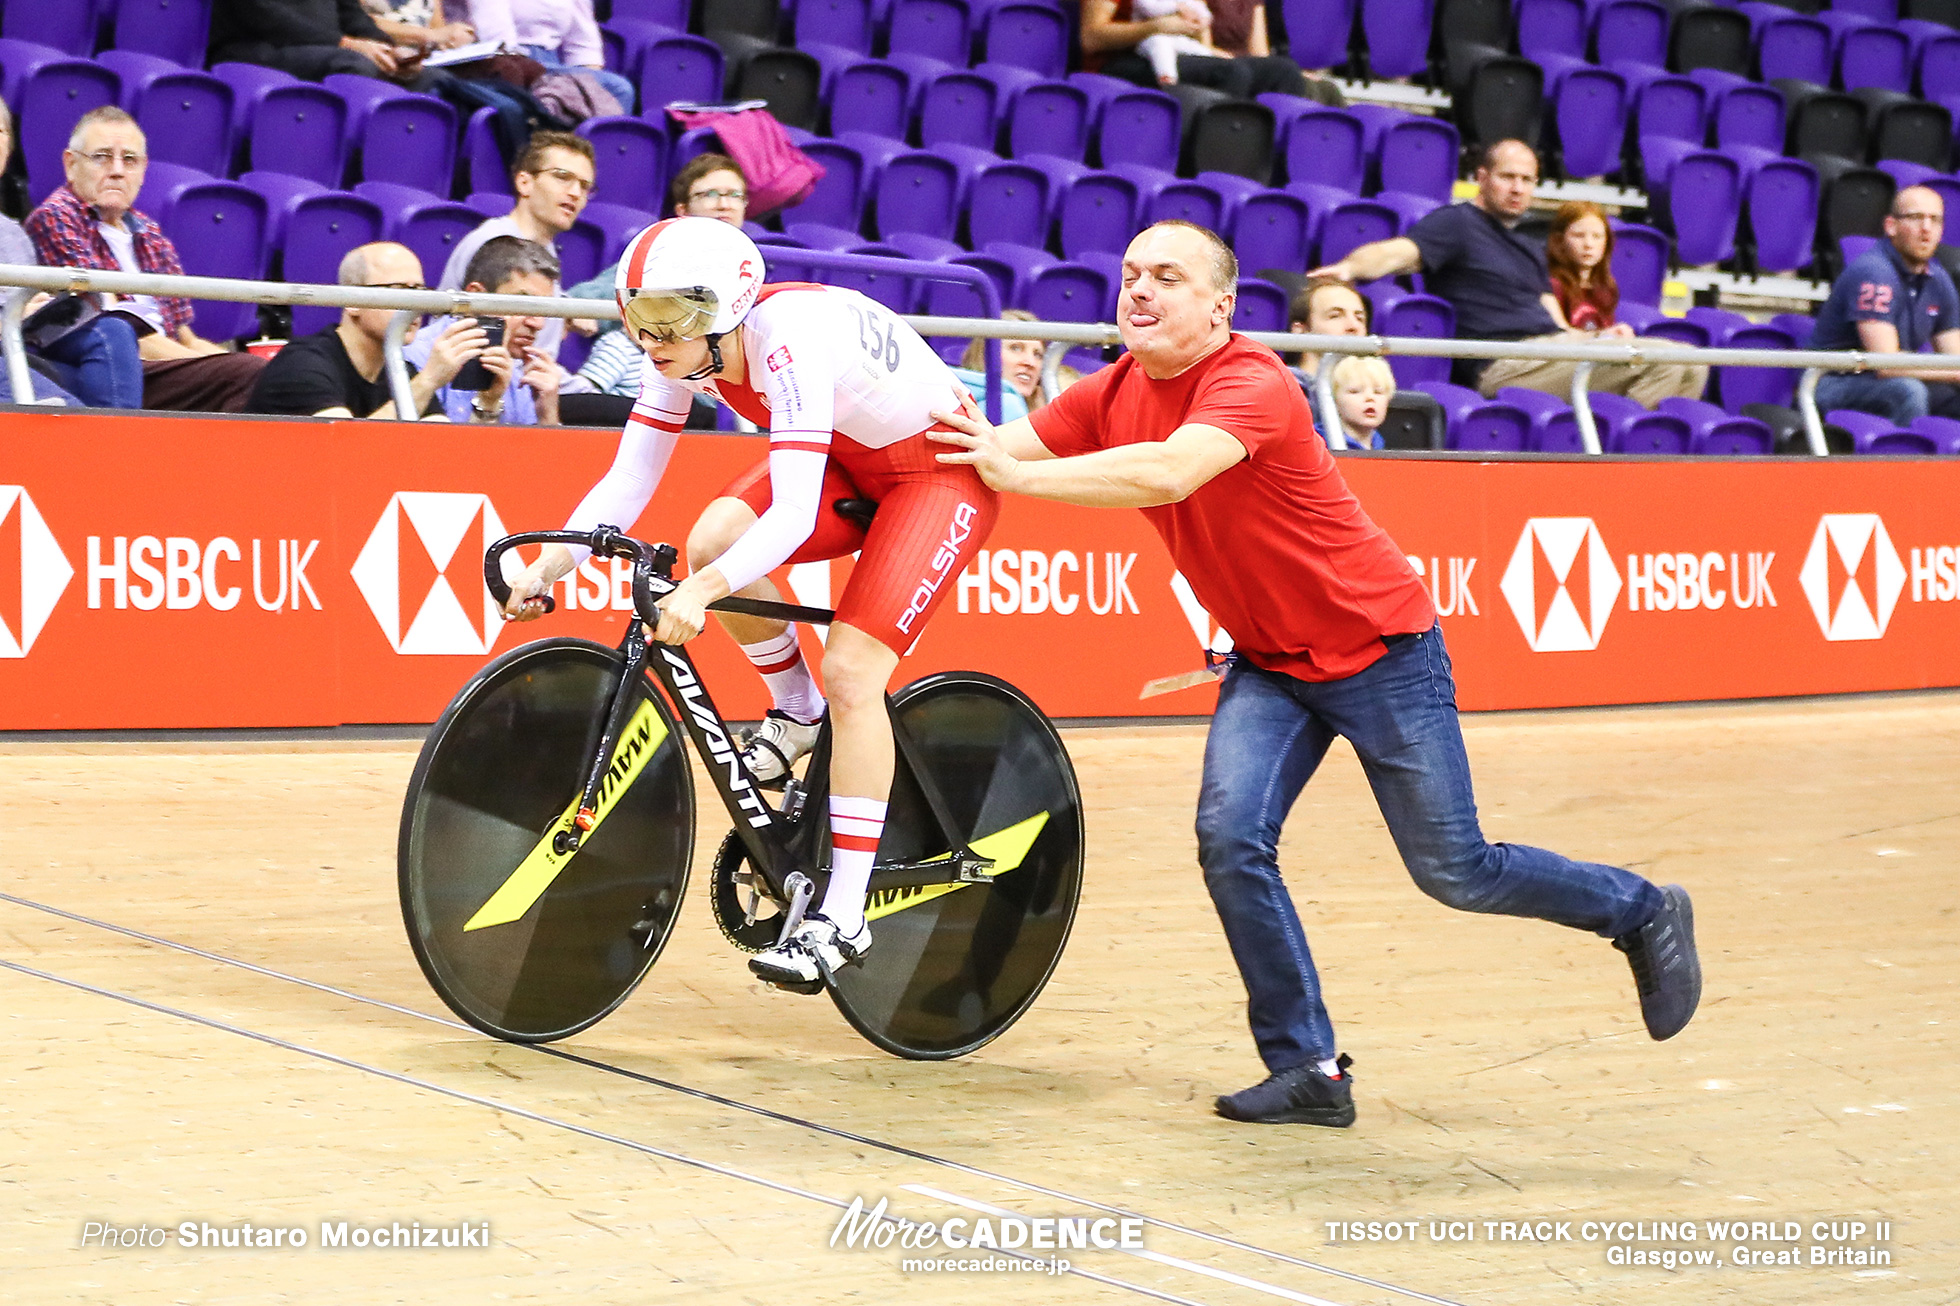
932	519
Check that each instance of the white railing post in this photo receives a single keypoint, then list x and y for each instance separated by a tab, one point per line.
1582	407
19	375
1813	421
397	366
1329	414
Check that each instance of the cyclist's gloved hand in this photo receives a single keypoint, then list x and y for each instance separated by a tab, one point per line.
527	593
683	612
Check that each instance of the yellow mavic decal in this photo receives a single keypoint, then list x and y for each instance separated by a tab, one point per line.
1006	848
641	739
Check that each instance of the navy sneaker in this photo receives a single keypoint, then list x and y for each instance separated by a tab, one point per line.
1666	967
1299	1095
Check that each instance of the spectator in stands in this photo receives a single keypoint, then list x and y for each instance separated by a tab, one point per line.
1244	66
525	380
1020	368
1325	306
1895	298
95	359
1499	284
1363	385
311	39
553	177
338	372
1579	255
92	222
419	23
560	34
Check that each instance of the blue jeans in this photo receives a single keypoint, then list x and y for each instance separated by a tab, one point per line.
100	363
1898	399
620	87
1267	737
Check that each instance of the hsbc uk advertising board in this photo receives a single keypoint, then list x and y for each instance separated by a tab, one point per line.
227	572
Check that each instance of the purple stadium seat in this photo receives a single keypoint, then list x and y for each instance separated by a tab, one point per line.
187	116
1352	224
1881	11
1139	126
1419	155
1476	423
1675	108
1188	201
405	138
872	96
1010	201
838	200
1625	427
1781	197
1797	325
1272	230
1791	45
219	229
581	252
1589	108
1031	36
1875	56
282	192
937	29
1748	114
1740	386
1409	209
490	203
1018	265
1939	66
1096	211
1873	435
315	228
1318	31
249	84
1704	199
1261	306
67	26
1423	317
845	23
176	30
1640	257
920	191
960	108
630	160
1907	173
1712	431
1679	330
680	68
162	181
1944	431
47	101
1397	34
301	129
1049	118
1554	426
1631	31
619	223
431	227
1551	27
1070	292
628	39
1317	143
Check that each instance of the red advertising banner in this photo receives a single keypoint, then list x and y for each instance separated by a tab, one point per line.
228	572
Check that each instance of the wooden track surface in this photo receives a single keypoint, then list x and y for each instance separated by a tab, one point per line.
1502	1072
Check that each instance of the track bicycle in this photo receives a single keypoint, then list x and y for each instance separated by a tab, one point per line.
548	832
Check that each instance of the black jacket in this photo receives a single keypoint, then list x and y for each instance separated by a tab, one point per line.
287	23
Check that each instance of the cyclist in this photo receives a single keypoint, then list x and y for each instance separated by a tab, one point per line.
845	391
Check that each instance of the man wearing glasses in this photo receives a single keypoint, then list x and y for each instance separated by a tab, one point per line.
92	222
1895	298
553	178
339	372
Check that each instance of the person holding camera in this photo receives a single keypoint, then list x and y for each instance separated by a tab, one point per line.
341	372
513	381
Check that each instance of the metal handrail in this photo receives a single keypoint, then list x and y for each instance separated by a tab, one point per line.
455	302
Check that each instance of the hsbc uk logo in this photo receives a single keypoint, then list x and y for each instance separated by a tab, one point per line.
1561	584
421	572
1852	576
33	572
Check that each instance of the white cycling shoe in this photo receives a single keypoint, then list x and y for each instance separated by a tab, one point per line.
773	747
816	949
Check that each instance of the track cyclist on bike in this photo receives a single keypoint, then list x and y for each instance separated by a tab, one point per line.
845	391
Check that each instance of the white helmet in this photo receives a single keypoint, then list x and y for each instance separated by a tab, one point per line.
687	277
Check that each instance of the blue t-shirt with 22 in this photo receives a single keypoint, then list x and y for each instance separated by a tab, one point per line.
1876	287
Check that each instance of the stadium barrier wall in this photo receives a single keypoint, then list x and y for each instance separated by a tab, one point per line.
177	571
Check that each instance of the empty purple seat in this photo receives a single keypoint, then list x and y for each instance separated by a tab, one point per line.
1741	386
1781	198
1631	31
920	191
1875	56
1186	201
48	101
1031	36
1881	11
1554	427
1139	126
1749	114
961	108
1409	209
314	228
1014	267
934	28
1704	201
1050	118
301	129
1070	292
1552	27
1476	423
1791	45
1589	108
186	116
1261	306
872	96
1872	435
845	23
219	229
838	199
1422	317
1009	201
1679	330
619	223
1939	66
630	158
176	30
581	252
1419	155
1712	431
1318	31
249	82
680	68
1944	431
1322	145
1352	224
410	139
429	226
1671	107
667	13
1396	32
1640	257
67	26
1272	229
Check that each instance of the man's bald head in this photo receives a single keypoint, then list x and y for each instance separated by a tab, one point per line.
1180	283
382	263
1916	224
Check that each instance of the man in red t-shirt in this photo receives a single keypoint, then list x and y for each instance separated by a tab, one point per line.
1209	434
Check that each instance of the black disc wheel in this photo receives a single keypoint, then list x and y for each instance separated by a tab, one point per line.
953	965
520	939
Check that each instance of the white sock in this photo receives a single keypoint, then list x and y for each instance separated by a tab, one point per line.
855	825
794	690
1331	1068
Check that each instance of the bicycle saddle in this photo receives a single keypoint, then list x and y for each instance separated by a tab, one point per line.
859	511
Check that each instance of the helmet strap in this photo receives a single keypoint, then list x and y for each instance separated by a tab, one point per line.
714	360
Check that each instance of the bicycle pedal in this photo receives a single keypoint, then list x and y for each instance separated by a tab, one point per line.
802	988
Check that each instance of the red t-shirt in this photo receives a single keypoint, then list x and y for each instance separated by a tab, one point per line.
1276	547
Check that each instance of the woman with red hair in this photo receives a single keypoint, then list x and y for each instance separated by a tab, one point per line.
1579	255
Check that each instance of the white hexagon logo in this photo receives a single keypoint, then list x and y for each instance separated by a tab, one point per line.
1561	584
421	572
33	572
1852	576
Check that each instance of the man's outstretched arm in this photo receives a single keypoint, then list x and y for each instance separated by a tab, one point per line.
1141	475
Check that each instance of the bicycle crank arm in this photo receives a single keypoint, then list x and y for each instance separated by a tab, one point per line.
960	868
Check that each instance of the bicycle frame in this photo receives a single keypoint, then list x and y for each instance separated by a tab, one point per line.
779	846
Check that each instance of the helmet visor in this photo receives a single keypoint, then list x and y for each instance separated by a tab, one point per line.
669	315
